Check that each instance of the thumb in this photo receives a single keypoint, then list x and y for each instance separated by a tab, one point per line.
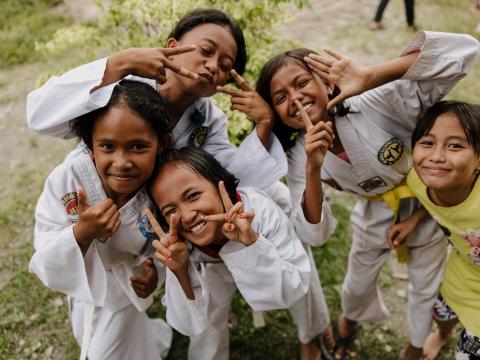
337	99
82	200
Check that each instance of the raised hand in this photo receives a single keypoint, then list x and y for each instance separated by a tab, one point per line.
169	249
351	77
248	101
318	138
145	284
236	222
151	62
97	221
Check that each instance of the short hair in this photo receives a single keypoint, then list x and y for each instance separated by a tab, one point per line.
286	134
200	162
468	115
213	16
140	98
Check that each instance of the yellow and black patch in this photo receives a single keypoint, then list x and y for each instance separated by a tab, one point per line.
198	136
391	152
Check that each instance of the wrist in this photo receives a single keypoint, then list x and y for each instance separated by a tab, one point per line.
121	63
82	237
312	168
251	238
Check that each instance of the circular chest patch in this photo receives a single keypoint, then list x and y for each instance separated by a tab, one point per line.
145	227
391	151
198	136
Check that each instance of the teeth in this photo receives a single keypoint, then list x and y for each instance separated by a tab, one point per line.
198	227
306	107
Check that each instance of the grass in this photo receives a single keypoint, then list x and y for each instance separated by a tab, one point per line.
33	319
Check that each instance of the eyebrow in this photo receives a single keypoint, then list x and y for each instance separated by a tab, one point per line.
451	137
139	140
216	45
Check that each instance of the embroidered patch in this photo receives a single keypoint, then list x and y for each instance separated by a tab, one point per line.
372	183
146	228
197	117
472	237
198	136
70	202
333	184
391	151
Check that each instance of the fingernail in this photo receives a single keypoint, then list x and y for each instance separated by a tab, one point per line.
230	227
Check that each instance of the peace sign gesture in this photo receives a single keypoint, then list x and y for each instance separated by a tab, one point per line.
351	77
248	101
169	249
236	222
318	138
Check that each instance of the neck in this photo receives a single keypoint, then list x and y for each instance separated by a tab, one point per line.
118	199
450	197
176	98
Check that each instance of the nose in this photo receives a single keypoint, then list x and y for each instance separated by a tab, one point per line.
295	95
211	65
122	161
187	215
438	154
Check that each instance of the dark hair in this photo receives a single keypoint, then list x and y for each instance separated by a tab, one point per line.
140	98
467	114
200	162
285	133
214	16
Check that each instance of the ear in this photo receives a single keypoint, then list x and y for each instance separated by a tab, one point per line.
171	42
164	143
330	87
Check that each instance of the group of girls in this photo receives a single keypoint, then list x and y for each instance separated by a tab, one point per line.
156	195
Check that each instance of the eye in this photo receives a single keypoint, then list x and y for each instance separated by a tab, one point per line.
455	146
106	147
139	147
225	67
279	99
193	196
425	143
166	213
302	83
207	51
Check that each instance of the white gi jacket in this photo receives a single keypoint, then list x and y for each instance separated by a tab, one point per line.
102	277
63	98
272	273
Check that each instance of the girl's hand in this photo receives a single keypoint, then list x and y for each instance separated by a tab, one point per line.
169	249
148	63
97	221
351	77
318	139
248	101
236	222
145	284
399	232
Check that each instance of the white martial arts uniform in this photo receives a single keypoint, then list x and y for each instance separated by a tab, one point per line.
61	99
120	327
272	273
376	137
310	313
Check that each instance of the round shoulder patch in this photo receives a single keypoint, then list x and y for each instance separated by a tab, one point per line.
391	152
198	136
145	227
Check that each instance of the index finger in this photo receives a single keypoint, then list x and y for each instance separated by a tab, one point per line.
227	203
306	119
169	51
173	225
241	81
180	70
333	53
156	226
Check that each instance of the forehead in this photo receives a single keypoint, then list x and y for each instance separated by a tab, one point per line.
286	74
121	123
447	124
217	34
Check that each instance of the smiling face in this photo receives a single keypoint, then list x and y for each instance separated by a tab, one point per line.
445	161
124	147
212	60
179	190
293	82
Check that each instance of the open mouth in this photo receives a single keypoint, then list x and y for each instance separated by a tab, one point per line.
306	106
197	229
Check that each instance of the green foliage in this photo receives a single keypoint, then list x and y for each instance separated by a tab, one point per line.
22	23
141	23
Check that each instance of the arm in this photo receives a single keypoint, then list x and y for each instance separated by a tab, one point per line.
251	162
398	232
276	262
58	260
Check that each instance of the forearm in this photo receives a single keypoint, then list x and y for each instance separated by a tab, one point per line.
118	66
313	195
264	132
390	70
82	239
184	281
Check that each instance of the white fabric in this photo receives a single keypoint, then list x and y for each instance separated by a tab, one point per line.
376	117
63	98
272	273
